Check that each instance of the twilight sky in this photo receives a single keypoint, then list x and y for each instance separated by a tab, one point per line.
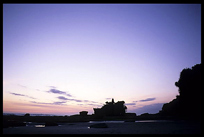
65	58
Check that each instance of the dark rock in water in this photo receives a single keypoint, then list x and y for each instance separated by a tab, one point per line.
100	125
50	124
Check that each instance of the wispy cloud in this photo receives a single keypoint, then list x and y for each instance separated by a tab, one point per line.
28	87
147	99
93	101
22	86
56	91
59	102
152	108
39	102
62	98
130	103
16	94
52	86
69	99
89	101
77	100
53	103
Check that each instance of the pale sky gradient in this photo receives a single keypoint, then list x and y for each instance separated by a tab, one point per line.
65	58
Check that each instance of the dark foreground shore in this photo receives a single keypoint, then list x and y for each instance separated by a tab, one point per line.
168	127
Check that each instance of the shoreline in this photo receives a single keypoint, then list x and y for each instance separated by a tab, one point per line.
148	127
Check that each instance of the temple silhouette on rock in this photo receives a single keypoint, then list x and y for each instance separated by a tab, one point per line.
111	109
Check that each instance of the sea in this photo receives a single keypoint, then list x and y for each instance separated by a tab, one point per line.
22	114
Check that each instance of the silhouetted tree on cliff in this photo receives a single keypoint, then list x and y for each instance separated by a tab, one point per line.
188	102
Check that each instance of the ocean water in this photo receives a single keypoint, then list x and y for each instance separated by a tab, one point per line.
154	121
106	121
141	121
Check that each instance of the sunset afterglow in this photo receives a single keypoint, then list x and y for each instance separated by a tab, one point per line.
65	58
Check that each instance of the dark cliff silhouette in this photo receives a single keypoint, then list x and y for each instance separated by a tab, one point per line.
188	103
111	109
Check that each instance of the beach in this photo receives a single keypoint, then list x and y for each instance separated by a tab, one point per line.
145	127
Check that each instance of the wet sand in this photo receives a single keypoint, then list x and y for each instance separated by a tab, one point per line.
113	128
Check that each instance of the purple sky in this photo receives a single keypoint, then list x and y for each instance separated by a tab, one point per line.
91	52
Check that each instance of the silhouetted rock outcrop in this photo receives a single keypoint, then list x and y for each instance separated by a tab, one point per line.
188	103
83	113
111	109
27	115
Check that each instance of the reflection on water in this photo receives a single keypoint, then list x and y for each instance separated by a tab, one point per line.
106	121
42	125
147	121
39	125
153	121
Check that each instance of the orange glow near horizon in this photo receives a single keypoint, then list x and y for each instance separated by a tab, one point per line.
21	107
